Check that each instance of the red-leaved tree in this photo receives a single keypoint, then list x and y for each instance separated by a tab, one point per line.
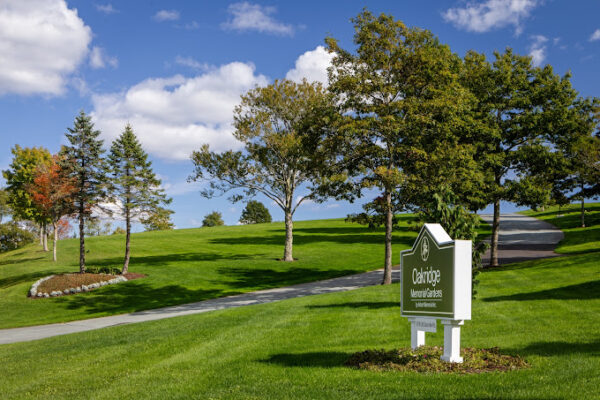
52	192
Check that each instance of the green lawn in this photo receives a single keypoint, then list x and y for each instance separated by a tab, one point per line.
190	265
546	311
577	240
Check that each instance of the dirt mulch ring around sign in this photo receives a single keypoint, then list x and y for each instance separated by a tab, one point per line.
426	359
67	281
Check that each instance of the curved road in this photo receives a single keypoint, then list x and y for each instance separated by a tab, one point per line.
521	238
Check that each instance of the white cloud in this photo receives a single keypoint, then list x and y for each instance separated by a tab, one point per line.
42	42
491	14
595	36
192	63
106	8
99	58
254	17
537	49
311	65
166	15
176	115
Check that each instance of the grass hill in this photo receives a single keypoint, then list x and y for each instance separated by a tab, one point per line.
546	311
190	265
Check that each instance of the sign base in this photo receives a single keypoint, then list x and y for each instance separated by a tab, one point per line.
452	340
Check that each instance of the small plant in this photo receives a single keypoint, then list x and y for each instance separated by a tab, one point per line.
213	219
426	359
104	270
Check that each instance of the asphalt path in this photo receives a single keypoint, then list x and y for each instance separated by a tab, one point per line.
521	238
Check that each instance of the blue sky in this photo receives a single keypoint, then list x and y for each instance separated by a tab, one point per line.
175	69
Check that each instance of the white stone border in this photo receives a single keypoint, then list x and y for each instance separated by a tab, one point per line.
33	292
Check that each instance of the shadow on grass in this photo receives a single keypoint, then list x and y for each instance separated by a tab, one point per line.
582	291
559	348
323	359
359	304
20	260
319	235
136	296
17	279
160	260
265	278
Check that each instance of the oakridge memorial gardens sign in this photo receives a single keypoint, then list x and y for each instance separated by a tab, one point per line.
436	284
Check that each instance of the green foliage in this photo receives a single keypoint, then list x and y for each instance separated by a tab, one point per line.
82	162
133	185
213	219
459	223
119	231
5	210
403	106
13	237
19	175
426	359
104	270
374	215
255	213
282	127
158	220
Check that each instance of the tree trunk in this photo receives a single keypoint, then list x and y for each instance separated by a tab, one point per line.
289	237
41	235
81	241
127	240
389	220
495	234
582	211
55	225
45	236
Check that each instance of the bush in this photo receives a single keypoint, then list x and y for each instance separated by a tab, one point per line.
12	237
213	219
119	231
255	213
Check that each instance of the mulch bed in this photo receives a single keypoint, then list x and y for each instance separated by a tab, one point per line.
426	359
67	281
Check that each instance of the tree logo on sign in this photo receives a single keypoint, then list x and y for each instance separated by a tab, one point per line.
424	249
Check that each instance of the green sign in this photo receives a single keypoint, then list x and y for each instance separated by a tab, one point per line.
433	276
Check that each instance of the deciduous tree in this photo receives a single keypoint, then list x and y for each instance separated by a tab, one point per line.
402	99
52	193
282	127
213	219
521	109
255	212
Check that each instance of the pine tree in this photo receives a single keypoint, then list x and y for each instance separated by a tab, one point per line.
133	185
82	161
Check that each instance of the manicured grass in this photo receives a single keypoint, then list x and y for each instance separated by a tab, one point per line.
577	240
545	311
190	265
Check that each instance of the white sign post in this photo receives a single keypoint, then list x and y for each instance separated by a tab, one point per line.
436	284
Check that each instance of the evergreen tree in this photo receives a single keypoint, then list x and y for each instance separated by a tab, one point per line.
133	185
255	213
82	161
213	219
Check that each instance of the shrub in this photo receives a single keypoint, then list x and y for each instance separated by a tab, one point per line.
12	237
255	213
213	219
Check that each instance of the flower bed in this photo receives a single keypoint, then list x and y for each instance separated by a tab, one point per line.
64	284
426	359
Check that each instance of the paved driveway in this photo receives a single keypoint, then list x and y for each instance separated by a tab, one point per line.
523	238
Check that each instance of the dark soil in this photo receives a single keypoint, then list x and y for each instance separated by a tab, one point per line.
426	359
67	281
